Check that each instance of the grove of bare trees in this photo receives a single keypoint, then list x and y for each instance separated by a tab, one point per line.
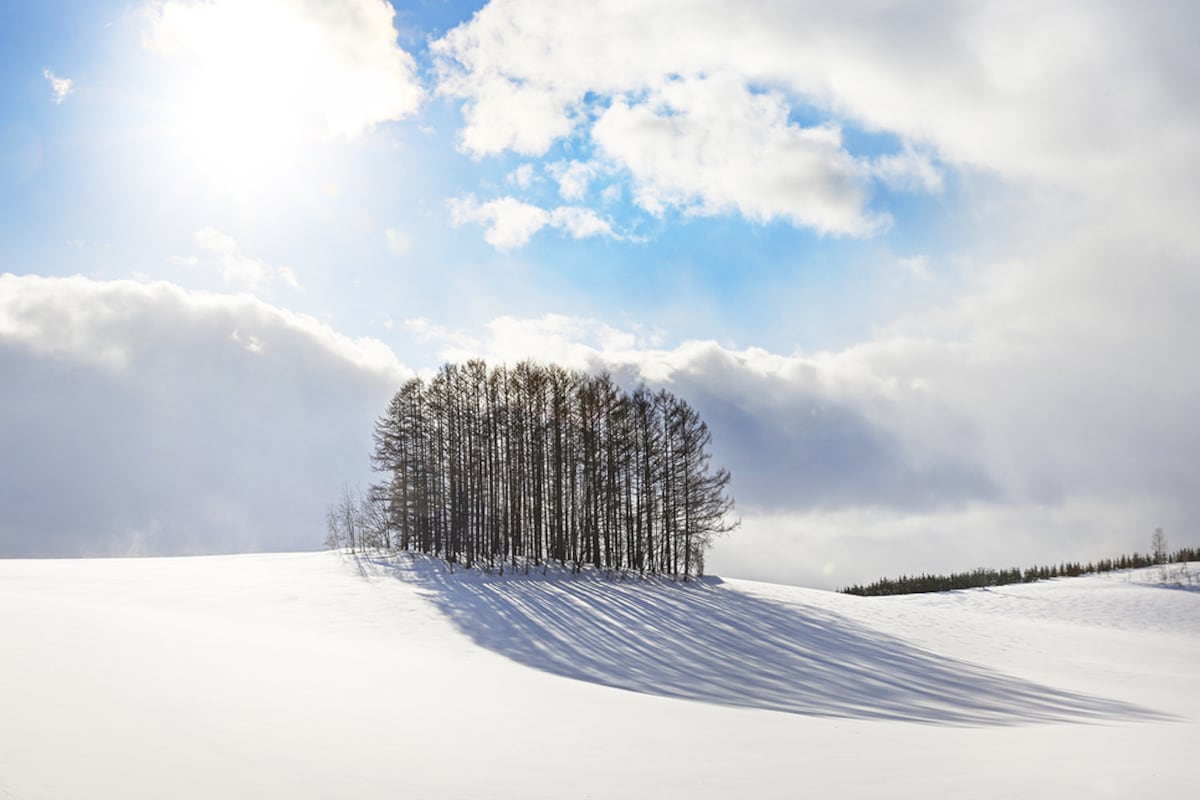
531	465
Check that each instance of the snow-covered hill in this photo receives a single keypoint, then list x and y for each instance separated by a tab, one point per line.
311	675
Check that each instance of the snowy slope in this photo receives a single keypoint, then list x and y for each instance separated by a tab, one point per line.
313	676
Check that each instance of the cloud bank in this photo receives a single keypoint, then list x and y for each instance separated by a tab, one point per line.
739	107
142	418
145	419
987	84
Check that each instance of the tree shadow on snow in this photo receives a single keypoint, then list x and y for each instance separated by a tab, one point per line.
713	644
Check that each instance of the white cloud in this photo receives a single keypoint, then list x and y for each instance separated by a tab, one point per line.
336	61
580	223
522	177
80	320
1061	93
220	422
573	178
530	118
510	223
710	146
907	171
61	86
237	268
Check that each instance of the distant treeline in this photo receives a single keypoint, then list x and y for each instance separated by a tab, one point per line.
982	576
532	464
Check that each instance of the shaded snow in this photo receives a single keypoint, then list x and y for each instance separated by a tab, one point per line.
310	675
720	645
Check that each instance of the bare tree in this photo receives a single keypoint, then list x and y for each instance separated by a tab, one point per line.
333	534
1158	546
342	520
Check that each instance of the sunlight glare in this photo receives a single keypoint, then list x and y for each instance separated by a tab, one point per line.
236	112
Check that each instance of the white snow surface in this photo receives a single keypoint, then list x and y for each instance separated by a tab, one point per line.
321	675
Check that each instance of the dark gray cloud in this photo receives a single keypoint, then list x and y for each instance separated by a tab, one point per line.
792	446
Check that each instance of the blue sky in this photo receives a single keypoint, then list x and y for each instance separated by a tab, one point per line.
108	189
891	253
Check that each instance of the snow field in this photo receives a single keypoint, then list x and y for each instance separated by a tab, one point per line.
312	675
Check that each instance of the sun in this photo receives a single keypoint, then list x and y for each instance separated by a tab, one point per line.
223	132
251	92
231	111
